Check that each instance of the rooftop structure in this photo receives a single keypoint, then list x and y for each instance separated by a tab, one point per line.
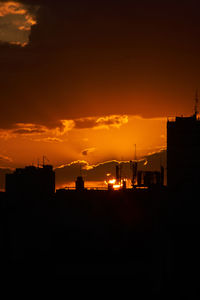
183	150
31	180
79	183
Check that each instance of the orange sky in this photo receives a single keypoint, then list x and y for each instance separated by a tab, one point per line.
91	139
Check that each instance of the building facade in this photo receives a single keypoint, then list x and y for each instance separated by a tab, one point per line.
31	180
183	151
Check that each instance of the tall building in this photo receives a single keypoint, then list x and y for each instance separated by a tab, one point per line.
183	151
31	180
79	183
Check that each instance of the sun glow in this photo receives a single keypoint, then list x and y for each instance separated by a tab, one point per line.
114	184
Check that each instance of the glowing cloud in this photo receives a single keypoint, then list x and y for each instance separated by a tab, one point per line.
33	131
105	122
11	7
66	125
16	21
112	121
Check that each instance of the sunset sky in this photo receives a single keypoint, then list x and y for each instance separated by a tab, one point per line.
87	80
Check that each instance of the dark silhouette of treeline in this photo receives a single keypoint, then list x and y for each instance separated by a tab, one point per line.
147	236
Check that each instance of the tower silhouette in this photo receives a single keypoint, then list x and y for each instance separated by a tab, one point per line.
183	150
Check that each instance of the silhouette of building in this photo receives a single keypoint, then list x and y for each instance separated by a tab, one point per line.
150	178
183	151
79	183
31	180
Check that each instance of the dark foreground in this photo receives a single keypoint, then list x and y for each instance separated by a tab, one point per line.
149	237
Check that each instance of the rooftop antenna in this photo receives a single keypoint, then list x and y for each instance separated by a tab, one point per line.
134	170
43	161
80	169
196	104
135	153
44	158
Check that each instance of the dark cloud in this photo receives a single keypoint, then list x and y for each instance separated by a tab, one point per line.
38	131
85	152
26	131
88	151
16	21
4	158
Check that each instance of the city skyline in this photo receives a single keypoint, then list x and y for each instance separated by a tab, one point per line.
100	143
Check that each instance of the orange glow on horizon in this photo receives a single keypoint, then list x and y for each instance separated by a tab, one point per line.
114	184
25	143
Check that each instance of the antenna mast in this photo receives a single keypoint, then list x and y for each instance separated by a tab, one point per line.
44	159
134	170
135	154
80	169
